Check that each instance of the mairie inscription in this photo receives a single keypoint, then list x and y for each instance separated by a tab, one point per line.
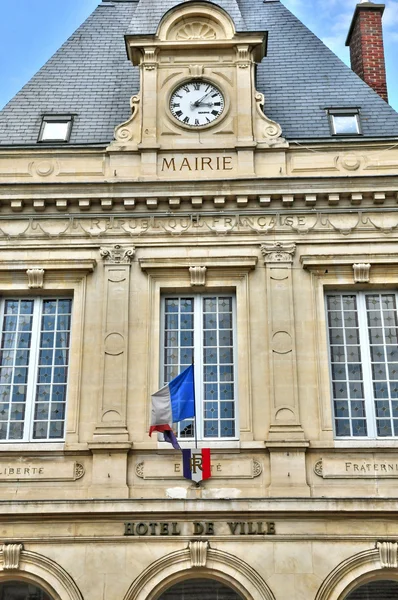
197	164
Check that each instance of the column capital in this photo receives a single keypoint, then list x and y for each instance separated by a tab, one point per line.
278	252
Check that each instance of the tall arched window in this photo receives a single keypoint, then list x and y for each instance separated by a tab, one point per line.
375	590
21	590
200	589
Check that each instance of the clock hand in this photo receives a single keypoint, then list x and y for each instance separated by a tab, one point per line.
199	104
205	104
201	100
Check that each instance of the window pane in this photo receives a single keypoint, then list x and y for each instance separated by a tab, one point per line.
205	589
20	590
205	323
345	124
55	131
14	360
375	590
346	366
52	373
364	356
178	350
382	311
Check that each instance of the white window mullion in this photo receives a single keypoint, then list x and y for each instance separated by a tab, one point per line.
198	362
235	363
366	366
33	371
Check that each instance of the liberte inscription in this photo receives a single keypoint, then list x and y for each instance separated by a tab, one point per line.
40	470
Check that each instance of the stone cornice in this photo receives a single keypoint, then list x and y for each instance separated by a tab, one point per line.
219	508
151	196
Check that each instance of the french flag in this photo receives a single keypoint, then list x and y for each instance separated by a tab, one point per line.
196	464
173	403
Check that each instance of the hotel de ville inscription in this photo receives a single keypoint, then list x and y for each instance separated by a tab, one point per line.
199	528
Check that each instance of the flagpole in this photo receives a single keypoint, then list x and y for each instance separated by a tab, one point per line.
194	402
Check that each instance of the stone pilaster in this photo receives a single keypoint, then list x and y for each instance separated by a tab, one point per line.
285	420
286	437
113	406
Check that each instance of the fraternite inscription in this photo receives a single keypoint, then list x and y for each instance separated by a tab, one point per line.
358	467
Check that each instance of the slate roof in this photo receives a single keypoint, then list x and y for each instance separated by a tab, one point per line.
149	13
91	77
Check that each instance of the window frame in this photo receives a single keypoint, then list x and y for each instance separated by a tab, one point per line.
344	112
63	276
55	119
33	365
366	364
198	361
225	274
335	274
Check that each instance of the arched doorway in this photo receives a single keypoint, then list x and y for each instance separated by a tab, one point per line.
200	589
375	590
22	590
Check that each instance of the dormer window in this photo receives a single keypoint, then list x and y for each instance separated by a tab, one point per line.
55	128
344	121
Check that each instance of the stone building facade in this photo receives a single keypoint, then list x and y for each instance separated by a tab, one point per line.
199	181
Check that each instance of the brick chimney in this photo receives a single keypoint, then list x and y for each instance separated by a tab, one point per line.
365	39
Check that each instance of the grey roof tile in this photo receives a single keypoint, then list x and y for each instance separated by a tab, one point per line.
91	77
149	14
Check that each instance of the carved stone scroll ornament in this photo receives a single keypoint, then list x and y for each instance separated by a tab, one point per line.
198	551
35	278
361	272
198	275
130	130
11	556
278	252
118	254
267	131
388	552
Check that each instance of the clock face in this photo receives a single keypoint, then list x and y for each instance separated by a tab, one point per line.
197	103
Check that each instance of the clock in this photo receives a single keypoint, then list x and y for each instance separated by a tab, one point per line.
197	103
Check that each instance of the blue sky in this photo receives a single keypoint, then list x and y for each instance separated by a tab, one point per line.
32	30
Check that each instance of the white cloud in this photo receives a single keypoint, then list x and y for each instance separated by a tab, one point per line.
390	17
